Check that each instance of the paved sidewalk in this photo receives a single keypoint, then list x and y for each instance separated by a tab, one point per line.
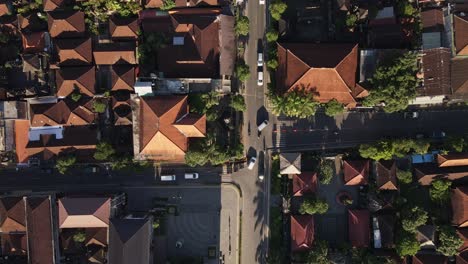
230	224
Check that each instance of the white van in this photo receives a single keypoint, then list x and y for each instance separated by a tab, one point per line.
260	78
191	176
252	163
168	178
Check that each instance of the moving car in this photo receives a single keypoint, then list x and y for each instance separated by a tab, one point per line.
260	78
191	176
261	177
168	177
252	163
260	60
262	2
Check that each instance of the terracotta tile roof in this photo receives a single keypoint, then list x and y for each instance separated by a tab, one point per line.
114	54
386	175
326	70
29	22
14	244
452	159
302	232
462	258
96	236
359	227
12	215
432	20
66	24
123	77
96	254
123	27
429	259
80	140
159	137
50	5
436	66
463	234
459	200
83	212
70	78
64	112
459	77
33	42
387	229
153	3
74	52
460	25
427	172
21	140
39	215
304	183
425	235
4	8
356	172
122	109
192	125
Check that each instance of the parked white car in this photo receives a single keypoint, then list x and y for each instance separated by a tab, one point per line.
168	177
260	78
260	59
191	176
252	163
262	2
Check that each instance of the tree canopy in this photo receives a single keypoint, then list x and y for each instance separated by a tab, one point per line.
272	35
406	244
242	71
168	4
388	148
326	172
456	144
333	108
238	103
99	106
394	84
242	26
449	241
405	176
277	8
104	151
440	190
412	218
319	253
313	206
298	104
63	163
208	150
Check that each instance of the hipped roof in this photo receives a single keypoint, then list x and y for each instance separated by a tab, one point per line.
40	230
356	172
302	232
427	172
459	201
460	24
386	175
71	78
84	212
358	227
290	163
64	112
452	159
66	24
304	183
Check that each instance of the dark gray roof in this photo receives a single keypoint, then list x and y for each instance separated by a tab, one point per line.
130	241
227	45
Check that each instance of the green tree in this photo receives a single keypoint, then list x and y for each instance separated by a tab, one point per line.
120	163
456	144
242	26
272	35
421	146
388	148
405	8
333	108
394	83
64	163
238	103
319	253
168	4
210	99
449	241
104	151
195	158
277	8
204	151
351	20
406	244
405	176
440	190
297	104
326	171
272	63
76	96
79	236
242	71
412	218
99	106
313	206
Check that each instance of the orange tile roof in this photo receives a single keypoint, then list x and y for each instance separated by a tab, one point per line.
356	172
14	244
4	8
74	52
123	27
459	201
33	42
21	140
153	3
40	230
66	24
50	5
452	159
64	112
386	175
123	77
302	232
461	35
83	212
159	137
96	236
114	54
12	214
122	109
70	78
463	234
326	70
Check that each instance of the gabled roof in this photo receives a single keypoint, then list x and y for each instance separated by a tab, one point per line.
64	112
386	175
74	52
387	229
459	199
463	234
153	3
14	244
83	212
64	24
304	183
70	78
302	232
123	77
429	259
356	172
459	78
452	159
462	258
426	236
326	70
31	62
129	241
432	20
114	54
97	236
359	227
290	163
40	230
4	8
50	5
427	172
12	215
123	27
436	66
460	24
33	42
163	128
29	22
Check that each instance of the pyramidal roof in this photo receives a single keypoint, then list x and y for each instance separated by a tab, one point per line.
84	212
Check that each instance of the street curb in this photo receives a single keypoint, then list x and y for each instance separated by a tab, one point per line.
239	222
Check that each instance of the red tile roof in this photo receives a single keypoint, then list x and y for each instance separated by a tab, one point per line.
74	52
96	236
123	27
302	232
359	227
432	20
326	70
50	5
356	172
459	78
41	245
33	42
70	78
304	183
427	172
12	215
64	112
460	25
452	159
4	8
463	234
459	201
123	78
462	258
83	212
429	259
386	175
114	54
163	132
436	66
121	105
64	24
14	244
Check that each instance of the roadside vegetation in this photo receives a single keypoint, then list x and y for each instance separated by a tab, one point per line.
299	104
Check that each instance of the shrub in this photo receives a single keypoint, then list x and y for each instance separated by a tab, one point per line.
412	218
272	35
104	151
64	163
333	108
405	177
238	103
313	206
242	26
242	71
351	20
272	63
79	236
99	106
326	171
449	241
76	96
